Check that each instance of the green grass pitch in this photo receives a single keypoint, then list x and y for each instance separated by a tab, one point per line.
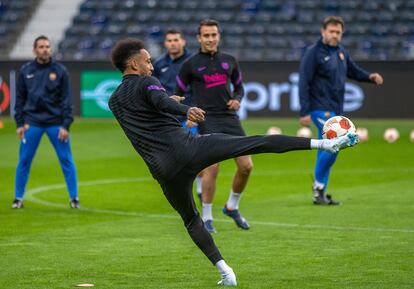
127	236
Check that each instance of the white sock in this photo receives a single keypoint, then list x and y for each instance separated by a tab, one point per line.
223	267
233	201
316	143
318	185
207	211
198	185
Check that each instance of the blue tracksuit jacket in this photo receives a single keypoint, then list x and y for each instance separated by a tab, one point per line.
322	76
43	95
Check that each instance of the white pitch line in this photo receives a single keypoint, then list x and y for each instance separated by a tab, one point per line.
30	196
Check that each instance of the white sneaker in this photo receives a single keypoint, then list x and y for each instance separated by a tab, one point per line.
336	144
228	279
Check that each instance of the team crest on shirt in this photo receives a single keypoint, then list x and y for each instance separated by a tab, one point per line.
327	114
225	65
52	76
342	56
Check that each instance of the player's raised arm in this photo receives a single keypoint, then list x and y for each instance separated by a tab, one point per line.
159	98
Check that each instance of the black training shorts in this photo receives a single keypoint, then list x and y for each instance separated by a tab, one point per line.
227	124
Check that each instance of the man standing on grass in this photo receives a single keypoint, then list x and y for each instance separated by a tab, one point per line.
323	70
44	105
210	74
175	156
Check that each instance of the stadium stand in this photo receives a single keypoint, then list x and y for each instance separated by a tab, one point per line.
251	29
51	18
14	15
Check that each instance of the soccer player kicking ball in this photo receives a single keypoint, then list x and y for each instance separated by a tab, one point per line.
174	155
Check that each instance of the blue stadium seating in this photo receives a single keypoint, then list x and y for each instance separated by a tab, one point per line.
251	29
13	17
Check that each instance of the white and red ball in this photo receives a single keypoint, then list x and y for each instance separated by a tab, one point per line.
337	126
304	132
362	133
391	135
274	130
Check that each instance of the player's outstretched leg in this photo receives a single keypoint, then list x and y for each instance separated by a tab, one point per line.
215	148
178	192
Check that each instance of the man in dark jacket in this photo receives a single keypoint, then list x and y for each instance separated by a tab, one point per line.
43	105
323	71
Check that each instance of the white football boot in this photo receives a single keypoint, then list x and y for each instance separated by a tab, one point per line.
228	279
336	144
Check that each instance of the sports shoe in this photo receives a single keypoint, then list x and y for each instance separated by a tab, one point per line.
319	198
336	144
237	217
208	225
17	204
228	279
74	204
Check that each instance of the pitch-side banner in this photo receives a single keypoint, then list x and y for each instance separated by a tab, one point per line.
96	88
271	89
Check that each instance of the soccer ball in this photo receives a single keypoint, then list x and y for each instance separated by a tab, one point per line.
273	130
391	135
362	133
337	126
304	132
412	136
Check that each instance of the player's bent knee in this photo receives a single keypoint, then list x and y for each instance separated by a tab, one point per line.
245	167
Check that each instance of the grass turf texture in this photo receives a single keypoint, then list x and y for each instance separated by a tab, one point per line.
127	236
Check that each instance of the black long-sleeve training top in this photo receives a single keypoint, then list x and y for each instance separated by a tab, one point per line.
144	111
210	77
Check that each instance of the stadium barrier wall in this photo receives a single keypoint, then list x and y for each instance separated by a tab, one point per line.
271	89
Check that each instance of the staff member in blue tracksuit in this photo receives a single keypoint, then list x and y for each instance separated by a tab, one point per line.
44	105
323	71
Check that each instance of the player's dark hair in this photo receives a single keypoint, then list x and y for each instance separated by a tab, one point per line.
335	20
41	37
124	49
174	31
208	22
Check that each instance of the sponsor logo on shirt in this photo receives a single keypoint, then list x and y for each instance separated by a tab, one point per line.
29	76
164	69
326	58
225	65
155	87
214	79
201	68
341	56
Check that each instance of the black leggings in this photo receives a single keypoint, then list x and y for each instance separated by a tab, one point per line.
211	149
